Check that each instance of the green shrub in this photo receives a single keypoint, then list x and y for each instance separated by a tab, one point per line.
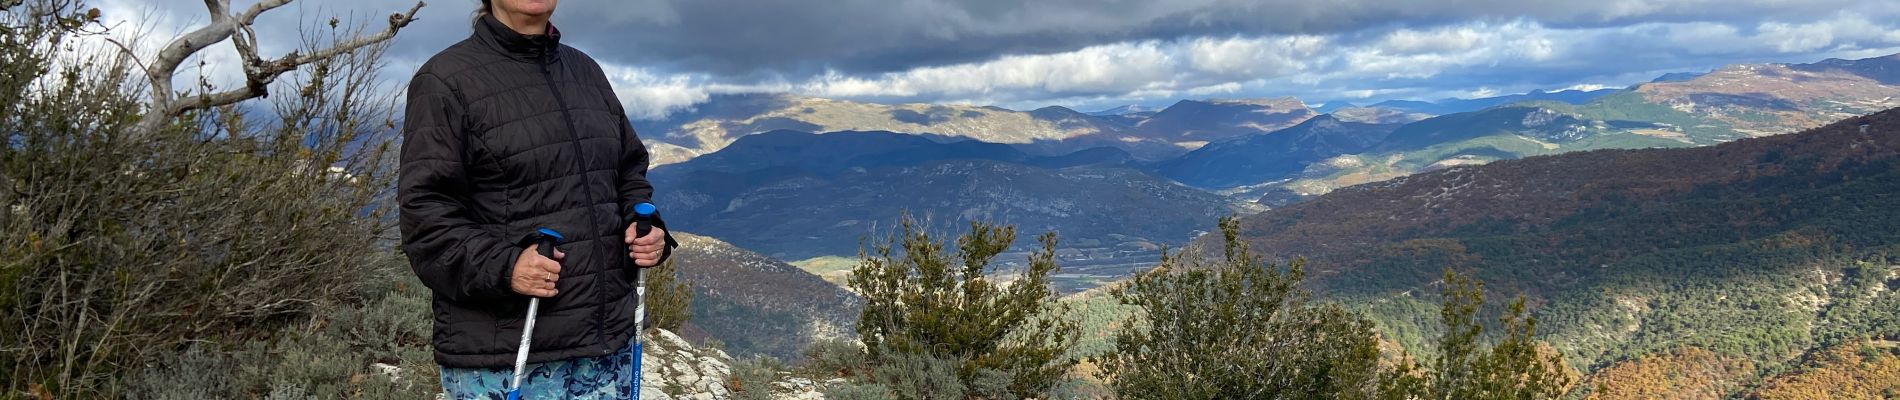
1076	388
331	356
752	378
926	308
1517	367
1236	329
218	235
920	376
1240	328
835	358
857	391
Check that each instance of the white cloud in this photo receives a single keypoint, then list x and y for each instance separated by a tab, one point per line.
1841	32
648	95
1254	57
1193	66
1106	68
1492	56
1444	40
1702	38
1224	88
1510	47
1845	30
1414	54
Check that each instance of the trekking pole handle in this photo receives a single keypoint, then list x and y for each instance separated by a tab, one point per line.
643	218
545	240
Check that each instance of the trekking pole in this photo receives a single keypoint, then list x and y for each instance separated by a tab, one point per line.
642	224
545	239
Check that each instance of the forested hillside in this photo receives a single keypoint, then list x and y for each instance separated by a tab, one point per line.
1757	250
757	305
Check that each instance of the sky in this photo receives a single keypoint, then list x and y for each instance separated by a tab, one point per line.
665	56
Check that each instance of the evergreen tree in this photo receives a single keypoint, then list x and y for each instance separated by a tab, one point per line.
1517	367
925	303
1243	329
1237	329
668	298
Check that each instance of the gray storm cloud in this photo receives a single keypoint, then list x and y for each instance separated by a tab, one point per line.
732	37
668	54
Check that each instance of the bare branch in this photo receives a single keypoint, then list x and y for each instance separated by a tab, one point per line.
165	64
129	54
258	72
217	7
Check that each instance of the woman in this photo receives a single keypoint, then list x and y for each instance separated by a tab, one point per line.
506	132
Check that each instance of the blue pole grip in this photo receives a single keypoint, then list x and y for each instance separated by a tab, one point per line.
643	218
546	239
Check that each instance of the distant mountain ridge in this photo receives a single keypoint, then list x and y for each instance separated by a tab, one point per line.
1384	151
1734	102
1743	100
1677	77
715	124
1451	106
1765	99
1702	110
1268	157
1687	110
824	193
1630	252
1190	121
1125	110
1885	70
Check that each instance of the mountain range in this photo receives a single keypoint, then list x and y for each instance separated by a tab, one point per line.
1150	134
1730	103
719	122
1760	249
1691	108
1254	159
796	195
1671	223
1455	105
1051	168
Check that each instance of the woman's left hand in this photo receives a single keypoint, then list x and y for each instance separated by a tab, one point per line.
646	250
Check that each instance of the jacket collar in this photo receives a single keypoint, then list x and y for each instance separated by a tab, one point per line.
533	48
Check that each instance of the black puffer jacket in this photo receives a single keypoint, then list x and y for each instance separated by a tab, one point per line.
506	133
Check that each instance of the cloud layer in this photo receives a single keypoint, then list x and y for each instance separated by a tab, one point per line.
666	55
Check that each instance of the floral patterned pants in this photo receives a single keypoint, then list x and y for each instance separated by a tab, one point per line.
604	377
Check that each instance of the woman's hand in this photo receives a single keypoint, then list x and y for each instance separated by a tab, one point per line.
535	275
646	250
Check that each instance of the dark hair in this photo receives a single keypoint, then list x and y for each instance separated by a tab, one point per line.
484	10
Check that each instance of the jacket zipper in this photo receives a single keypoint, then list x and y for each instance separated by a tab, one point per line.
573	132
574	136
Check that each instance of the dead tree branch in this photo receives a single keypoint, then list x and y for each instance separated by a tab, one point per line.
259	72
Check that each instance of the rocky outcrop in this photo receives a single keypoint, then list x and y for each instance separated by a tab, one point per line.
673	369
